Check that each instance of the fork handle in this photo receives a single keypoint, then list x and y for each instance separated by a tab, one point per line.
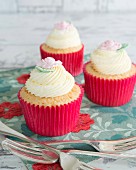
87	167
5	130
102	154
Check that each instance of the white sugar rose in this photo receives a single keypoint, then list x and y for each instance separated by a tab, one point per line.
110	45
49	62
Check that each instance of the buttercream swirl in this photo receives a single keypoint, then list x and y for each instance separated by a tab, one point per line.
111	59
64	35
50	84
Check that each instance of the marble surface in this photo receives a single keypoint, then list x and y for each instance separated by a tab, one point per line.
41	6
10	162
21	34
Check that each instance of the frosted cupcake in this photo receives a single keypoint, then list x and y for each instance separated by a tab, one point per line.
110	76
50	99
63	43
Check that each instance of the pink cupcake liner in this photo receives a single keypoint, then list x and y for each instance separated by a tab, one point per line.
108	92
73	62
54	120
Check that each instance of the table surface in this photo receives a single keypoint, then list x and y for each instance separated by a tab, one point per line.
22	34
110	122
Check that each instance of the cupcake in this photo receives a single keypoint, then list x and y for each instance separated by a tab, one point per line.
110	76
63	43
50	99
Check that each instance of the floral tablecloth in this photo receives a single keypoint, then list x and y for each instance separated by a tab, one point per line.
105	122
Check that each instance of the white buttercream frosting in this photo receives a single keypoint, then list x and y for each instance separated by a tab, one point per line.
55	82
111	60
64	35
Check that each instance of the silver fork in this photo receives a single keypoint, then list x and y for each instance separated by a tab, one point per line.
29	148
100	145
43	156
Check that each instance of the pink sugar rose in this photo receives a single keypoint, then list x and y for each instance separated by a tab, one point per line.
48	62
110	45
62	25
